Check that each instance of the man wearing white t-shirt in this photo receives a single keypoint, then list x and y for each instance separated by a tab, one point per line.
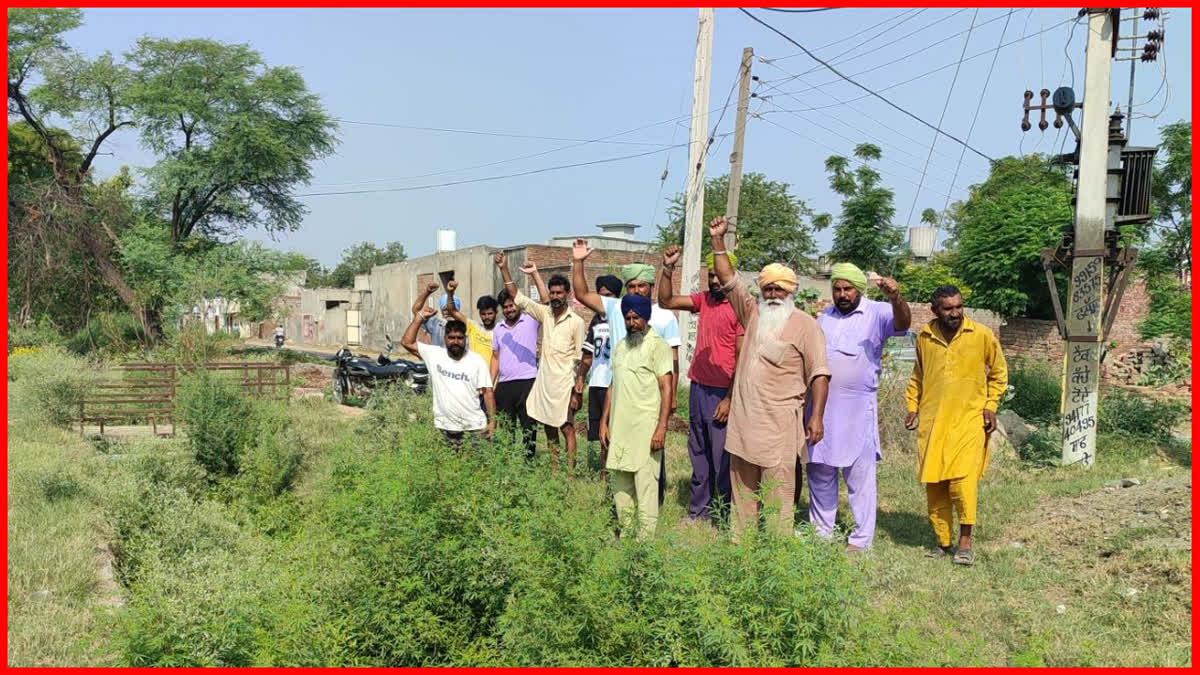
458	378
639	280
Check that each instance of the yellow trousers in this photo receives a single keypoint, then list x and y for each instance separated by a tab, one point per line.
636	493
957	494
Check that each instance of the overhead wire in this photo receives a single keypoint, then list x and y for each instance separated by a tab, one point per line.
518	157
926	73
854	35
488	178
941	119
975	117
800	11
860	86
498	134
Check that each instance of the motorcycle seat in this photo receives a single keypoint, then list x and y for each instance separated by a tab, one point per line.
390	369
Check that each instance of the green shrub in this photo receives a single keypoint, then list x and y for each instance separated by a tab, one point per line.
1170	310
193	344
1042	448
269	465
38	334
60	484
56	382
1036	391
1125	412
109	333
218	418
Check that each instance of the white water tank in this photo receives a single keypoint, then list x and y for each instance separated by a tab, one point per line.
920	240
447	240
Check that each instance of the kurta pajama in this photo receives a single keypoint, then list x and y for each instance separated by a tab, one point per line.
766	431
711	374
854	347
951	385
562	347
634	412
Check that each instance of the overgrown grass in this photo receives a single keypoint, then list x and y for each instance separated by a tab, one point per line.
367	542
1036	391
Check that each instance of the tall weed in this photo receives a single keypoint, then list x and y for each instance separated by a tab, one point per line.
1036	391
54	382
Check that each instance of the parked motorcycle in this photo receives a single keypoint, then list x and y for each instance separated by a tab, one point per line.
278	342
358	375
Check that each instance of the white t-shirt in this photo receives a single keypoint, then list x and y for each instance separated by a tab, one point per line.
661	320
456	386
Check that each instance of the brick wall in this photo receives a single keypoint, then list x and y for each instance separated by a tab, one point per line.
553	260
1039	339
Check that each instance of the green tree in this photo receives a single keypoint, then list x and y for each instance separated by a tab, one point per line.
1002	228
919	280
1171	187
359	259
773	225
865	234
233	139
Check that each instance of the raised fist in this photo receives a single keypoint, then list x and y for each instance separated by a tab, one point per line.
671	255
719	226
431	287
451	286
529	267
500	259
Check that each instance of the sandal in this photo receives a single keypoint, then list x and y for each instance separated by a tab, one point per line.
939	552
964	556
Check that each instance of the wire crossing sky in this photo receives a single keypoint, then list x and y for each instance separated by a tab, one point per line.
514	125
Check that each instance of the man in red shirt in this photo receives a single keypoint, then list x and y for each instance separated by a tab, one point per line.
718	343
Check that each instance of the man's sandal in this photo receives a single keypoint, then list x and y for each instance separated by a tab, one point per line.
939	552
964	556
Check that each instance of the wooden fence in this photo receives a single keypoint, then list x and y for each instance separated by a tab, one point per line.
145	392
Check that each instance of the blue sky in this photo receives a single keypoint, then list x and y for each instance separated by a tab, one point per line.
591	73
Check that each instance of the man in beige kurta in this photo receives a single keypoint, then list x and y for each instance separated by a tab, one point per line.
783	357
558	388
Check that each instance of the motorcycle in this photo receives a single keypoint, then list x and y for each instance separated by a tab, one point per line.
358	375
278	342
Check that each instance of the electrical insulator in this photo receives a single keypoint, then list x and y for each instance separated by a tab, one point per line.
1155	35
1146	58
1150	14
1150	48
754	77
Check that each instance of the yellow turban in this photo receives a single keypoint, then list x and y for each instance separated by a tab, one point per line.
708	260
778	274
639	271
849	272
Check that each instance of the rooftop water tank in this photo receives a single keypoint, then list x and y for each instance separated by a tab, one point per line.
920	240
447	240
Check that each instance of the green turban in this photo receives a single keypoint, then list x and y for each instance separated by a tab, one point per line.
850	272
708	260
638	271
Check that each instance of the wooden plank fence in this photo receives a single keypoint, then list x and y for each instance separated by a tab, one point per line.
145	392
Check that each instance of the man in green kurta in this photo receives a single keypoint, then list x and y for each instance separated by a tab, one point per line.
634	425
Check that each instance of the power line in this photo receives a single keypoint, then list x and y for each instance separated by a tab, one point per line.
838	57
866	89
942	118
854	35
489	178
519	157
929	72
941	68
839	152
854	142
800	11
499	134
978	105
853	107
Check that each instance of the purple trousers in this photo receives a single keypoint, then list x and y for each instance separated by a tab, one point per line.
706	447
860	488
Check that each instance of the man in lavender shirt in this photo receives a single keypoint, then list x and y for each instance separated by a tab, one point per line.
514	366
856	329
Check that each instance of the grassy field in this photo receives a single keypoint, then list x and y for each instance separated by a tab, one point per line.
1069	571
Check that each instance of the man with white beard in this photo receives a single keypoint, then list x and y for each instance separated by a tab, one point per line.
784	358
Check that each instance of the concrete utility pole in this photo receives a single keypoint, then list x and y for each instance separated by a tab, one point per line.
694	227
735	157
1086	284
1132	67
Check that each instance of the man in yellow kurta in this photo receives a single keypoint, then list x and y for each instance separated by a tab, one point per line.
952	396
558	388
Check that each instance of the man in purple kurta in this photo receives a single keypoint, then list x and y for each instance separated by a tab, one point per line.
855	329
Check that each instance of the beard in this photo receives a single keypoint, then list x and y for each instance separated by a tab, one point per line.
456	351
772	316
635	339
716	292
557	305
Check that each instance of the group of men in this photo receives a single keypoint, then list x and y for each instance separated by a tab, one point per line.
773	390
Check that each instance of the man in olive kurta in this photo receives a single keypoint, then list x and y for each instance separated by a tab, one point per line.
634	425
952	396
